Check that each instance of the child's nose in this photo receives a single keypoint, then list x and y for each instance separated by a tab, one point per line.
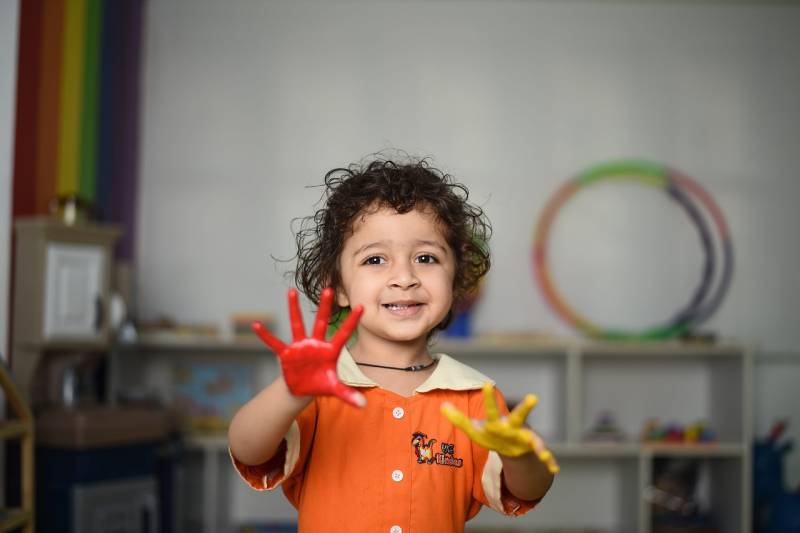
403	276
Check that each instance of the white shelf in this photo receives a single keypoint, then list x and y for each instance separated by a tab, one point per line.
478	347
601	450
206	442
575	379
724	449
673	381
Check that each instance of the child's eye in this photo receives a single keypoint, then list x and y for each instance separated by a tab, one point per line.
374	260
427	258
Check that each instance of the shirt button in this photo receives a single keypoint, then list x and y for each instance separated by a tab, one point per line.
396	529
397	475
398	412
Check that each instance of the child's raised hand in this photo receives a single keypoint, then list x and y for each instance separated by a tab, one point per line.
505	435
309	363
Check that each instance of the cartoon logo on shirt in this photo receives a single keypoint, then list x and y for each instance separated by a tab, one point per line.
424	451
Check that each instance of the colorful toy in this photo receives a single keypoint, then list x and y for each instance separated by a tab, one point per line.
673	433
699	432
681	189
309	363
605	429
652	431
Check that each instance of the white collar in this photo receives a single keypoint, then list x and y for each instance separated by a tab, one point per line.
449	374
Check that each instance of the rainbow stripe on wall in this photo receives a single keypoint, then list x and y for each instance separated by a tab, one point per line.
77	108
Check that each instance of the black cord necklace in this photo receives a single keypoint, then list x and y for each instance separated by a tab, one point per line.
413	368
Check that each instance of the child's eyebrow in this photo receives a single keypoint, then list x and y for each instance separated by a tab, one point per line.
367	246
435	244
380	244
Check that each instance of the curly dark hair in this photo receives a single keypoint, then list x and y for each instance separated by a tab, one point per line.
403	187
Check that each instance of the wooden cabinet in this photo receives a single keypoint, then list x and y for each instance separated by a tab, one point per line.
62	279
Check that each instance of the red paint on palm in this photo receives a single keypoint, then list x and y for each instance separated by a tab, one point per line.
309	363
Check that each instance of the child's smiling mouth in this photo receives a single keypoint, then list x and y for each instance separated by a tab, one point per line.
403	308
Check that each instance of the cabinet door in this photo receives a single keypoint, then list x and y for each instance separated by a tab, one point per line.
120	506
73	305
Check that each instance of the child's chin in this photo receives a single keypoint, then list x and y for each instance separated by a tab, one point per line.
407	336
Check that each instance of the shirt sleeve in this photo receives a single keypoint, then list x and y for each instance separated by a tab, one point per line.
489	486
286	465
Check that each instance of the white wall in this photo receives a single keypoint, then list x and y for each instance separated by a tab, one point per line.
247	103
9	20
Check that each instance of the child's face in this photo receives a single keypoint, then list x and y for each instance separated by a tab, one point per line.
401	269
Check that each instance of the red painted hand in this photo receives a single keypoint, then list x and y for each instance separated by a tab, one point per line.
309	363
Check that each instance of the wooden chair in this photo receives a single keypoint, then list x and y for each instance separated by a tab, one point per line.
21	427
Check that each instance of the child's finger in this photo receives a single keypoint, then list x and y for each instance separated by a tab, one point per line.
459	420
544	455
489	402
323	314
552	466
296	317
275	344
518	415
346	329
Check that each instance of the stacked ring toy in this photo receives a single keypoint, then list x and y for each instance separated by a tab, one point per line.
706	297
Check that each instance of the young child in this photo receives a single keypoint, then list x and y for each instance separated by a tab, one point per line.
364	438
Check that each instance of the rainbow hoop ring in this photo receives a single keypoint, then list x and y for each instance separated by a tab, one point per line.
680	188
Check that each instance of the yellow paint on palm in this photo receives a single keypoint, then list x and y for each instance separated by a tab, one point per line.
504	434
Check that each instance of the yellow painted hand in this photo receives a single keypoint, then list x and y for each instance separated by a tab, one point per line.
505	435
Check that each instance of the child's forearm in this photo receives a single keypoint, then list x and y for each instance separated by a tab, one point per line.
259	426
526	477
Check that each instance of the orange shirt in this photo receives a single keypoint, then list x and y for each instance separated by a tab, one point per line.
395	466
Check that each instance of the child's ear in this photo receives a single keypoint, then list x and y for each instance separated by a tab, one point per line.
341	299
